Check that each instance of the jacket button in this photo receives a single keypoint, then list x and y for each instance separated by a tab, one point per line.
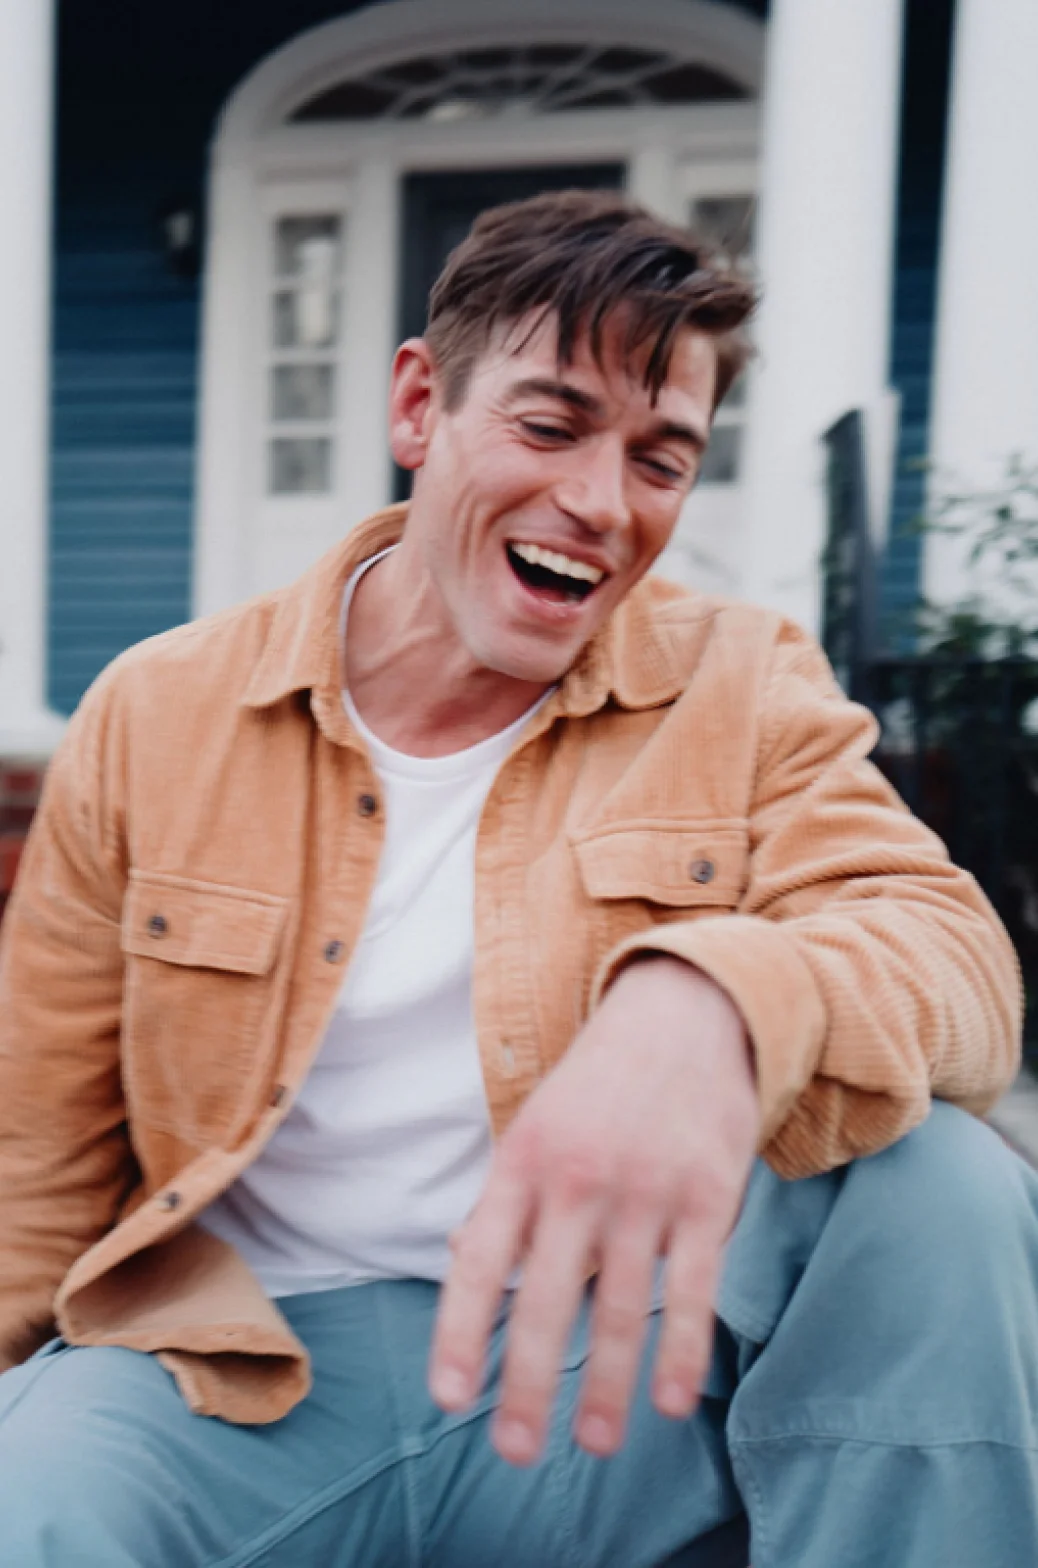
367	805
702	870
158	925
169	1200
333	951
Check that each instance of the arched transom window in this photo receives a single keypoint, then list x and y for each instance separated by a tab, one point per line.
469	84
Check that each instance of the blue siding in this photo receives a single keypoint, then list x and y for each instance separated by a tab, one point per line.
911	368
139	90
123	437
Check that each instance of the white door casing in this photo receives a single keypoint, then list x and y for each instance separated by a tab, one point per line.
27	726
321	200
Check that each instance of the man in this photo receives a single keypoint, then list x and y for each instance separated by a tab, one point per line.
476	830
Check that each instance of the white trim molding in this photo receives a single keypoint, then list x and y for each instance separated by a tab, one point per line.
825	251
27	727
698	31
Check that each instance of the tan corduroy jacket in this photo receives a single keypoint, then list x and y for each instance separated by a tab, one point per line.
198	875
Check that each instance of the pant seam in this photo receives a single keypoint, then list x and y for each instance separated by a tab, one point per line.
808	1436
409	1485
753	1501
278	1533
559	1462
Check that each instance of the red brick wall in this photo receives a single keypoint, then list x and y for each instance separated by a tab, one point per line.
20	784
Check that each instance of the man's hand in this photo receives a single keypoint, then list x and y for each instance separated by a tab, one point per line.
638	1145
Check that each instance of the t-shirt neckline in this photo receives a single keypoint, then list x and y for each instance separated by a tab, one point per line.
433	770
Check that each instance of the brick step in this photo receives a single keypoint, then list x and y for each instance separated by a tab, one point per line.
20	786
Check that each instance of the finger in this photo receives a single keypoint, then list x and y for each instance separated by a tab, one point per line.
687	1336
485	1252
555	1275
623	1296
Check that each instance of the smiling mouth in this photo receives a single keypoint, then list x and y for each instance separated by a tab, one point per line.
552	575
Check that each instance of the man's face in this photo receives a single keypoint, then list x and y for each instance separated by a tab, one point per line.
542	499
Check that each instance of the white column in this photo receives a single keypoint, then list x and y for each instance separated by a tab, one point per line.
986	367
825	246
370	328
26	116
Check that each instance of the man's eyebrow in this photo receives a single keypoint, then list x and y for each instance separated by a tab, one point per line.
544	386
673	430
587	403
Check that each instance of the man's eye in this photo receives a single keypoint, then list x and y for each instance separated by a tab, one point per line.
543	432
665	471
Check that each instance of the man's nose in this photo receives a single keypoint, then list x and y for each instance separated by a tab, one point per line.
594	491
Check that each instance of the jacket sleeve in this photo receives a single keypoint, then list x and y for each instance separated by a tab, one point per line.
871	972
65	1159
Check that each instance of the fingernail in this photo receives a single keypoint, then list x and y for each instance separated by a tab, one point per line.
515	1441
597	1434
672	1399
450	1387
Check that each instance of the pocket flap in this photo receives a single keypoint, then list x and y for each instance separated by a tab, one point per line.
201	924
694	863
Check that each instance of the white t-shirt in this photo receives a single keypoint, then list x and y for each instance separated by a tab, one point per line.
387	1146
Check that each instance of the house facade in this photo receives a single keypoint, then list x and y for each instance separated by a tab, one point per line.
223	218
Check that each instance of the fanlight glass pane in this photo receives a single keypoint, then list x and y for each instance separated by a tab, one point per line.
735	397
302	392
418	72
305	318
551	56
530	78
307	247
624	61
350	101
477	60
727	221
691	83
300	465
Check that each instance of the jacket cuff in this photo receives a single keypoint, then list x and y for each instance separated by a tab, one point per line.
769	981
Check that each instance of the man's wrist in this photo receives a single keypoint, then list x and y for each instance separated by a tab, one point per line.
692	986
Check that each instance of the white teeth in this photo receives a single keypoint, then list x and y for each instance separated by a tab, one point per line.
564	565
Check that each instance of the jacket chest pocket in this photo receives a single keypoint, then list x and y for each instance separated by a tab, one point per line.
654	875
200	972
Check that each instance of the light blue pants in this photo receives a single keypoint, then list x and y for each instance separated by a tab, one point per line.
872	1403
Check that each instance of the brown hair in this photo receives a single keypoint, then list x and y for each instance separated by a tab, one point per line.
580	256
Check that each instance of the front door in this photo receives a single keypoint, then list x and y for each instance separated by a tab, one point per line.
438	211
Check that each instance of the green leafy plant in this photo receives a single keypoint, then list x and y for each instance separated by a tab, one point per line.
960	714
999	528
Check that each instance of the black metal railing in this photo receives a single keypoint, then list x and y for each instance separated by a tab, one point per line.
959	737
848	566
959	743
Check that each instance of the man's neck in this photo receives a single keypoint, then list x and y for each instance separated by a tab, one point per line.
412	681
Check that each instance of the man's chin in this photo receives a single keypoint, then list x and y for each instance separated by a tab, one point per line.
537	666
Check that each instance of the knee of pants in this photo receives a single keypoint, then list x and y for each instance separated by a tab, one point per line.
949	1205
925	1279
78	1485
913	1319
947	1212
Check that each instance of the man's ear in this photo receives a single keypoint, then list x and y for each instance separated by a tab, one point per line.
413	402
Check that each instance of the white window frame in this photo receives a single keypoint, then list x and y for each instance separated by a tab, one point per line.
708	546
248	541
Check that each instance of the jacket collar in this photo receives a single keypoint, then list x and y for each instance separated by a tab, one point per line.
632	659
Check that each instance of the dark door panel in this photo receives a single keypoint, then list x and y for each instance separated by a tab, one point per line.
439	210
